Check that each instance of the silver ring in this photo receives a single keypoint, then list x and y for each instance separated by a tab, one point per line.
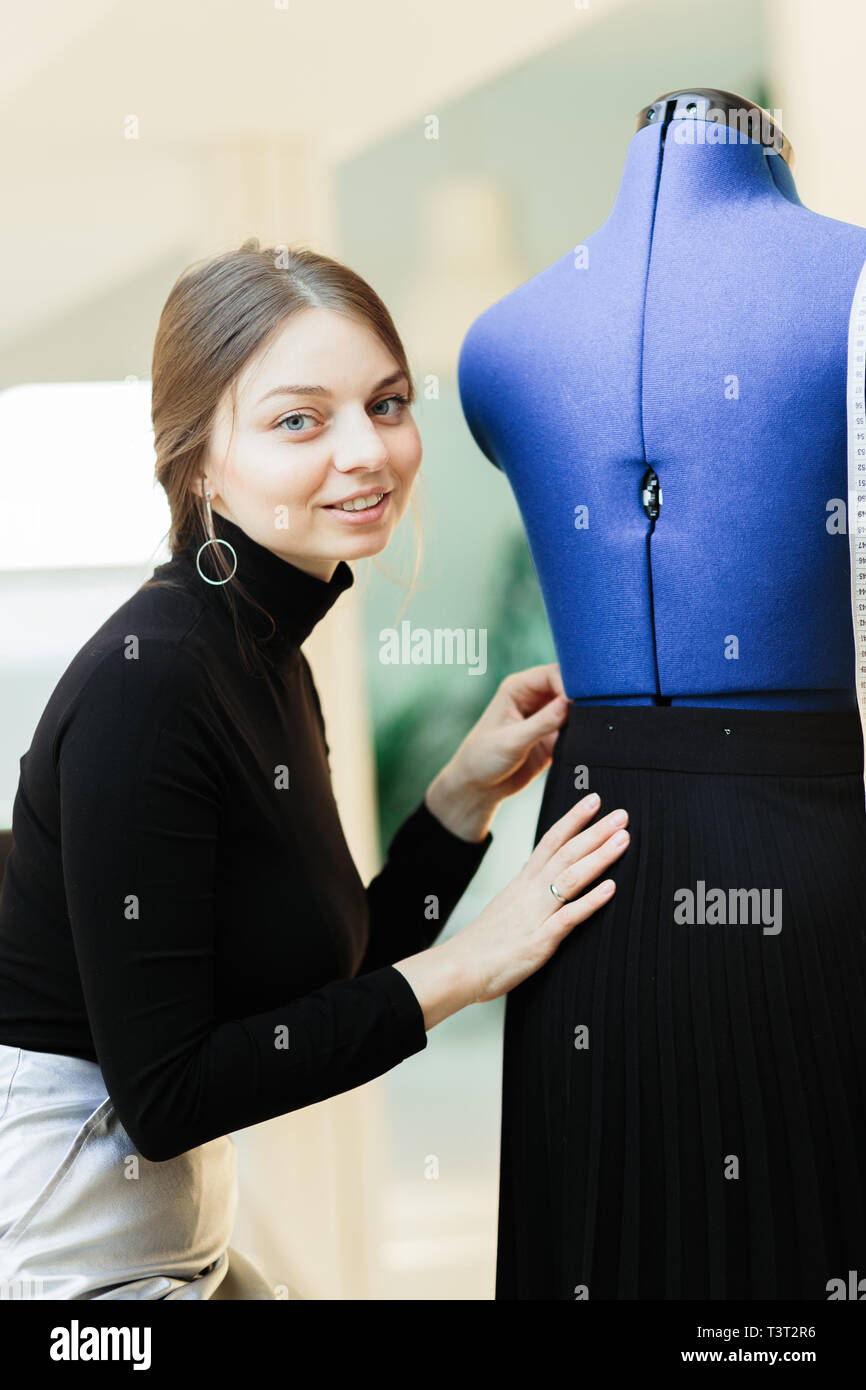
556	893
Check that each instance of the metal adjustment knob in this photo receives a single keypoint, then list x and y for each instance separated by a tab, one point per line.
651	494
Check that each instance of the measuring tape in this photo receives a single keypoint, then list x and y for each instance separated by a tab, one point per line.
856	518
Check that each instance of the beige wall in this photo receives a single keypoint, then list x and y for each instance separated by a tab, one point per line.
817	55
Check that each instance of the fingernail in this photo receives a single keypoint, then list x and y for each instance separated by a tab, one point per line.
621	838
592	800
619	818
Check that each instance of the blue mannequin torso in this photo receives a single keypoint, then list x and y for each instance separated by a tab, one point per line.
701	331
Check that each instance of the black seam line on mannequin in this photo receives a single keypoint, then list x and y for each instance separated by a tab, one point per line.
658	698
646	285
670	107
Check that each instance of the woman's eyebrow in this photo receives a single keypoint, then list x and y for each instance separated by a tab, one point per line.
323	390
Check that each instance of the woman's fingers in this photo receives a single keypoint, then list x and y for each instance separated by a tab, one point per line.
579	842
573	913
571	878
520	929
535	684
565	828
588	840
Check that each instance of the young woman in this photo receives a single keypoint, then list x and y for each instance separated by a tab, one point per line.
186	947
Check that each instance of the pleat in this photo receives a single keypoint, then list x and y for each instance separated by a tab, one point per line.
647	1168
766	1158
798	1050
849	1016
707	1245
598	1254
645	890
664	1099
838	1195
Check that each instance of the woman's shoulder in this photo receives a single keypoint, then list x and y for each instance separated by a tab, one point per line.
148	657
156	628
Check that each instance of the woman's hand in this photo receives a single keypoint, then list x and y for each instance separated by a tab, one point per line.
523	925
509	745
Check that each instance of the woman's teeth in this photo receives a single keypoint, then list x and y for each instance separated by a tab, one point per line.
360	504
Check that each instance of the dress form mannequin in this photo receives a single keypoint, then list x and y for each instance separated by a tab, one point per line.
683	1095
702	331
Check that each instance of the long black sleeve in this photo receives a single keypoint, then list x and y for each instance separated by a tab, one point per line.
426	873
427	870
141	798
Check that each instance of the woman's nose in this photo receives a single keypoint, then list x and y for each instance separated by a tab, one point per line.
357	445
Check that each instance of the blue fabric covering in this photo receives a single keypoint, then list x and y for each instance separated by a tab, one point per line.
701	330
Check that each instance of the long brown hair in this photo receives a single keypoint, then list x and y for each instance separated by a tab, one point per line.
219	312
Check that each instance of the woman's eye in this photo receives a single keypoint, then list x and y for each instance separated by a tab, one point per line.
397	401
295	415
294	422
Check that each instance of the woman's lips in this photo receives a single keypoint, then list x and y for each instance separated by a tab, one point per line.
366	514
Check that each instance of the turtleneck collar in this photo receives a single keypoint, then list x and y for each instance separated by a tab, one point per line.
295	599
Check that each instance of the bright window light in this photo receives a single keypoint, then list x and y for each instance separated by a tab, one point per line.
76	476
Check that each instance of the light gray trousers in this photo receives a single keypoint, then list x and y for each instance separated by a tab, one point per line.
84	1215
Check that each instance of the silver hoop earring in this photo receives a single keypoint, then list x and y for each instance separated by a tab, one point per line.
214	540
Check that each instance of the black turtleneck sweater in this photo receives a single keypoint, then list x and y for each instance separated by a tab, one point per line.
180	904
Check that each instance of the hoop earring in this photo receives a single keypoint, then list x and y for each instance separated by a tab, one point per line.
214	540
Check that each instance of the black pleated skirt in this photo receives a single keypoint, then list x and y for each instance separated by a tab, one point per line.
684	1082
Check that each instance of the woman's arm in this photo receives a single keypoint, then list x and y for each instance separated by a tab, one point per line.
436	852
427	870
466	811
430	862
141	799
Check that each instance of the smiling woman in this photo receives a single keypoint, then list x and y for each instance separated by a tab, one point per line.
186	946
288	379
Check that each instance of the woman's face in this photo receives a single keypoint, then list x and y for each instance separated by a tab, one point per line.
318	421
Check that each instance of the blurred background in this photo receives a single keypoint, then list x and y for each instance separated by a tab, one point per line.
448	153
